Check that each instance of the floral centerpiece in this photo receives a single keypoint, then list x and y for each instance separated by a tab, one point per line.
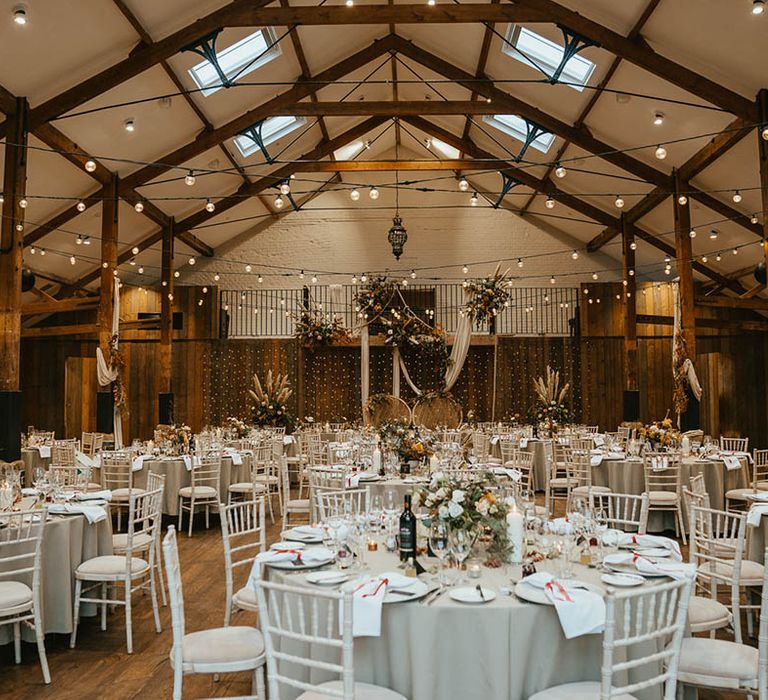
488	296
552	411
315	328
270	406
237	427
470	504
179	437
373	297
406	441
660	434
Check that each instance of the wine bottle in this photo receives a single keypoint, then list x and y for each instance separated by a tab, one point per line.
407	531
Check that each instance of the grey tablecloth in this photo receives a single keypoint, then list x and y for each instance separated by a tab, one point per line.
32	460
505	650
67	542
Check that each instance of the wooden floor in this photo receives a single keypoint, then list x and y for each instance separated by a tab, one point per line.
99	666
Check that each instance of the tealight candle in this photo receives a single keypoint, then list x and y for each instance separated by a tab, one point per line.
373	546
473	570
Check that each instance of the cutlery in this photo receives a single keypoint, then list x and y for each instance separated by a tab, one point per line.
407	594
435	596
479	589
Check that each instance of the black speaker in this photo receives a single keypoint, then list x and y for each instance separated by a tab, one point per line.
105	412
10	425
631	405
165	408
691	419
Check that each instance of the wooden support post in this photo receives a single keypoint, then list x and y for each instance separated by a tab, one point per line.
165	395
109	236
631	382
762	146
11	260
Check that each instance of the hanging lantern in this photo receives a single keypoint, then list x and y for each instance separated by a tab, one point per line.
397	237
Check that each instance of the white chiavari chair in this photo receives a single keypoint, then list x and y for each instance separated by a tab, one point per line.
351	502
623	511
726	665
662	473
580	472
63	452
242	530
559	479
291	506
734	444
21	541
70	477
309	640
266	473
481	446
92	443
738	499
324	479
250	490
117	476
134	573
507	448
645	625
204	490
211	651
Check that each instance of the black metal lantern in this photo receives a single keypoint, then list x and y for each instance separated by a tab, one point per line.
397	237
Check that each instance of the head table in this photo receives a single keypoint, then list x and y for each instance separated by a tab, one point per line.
507	649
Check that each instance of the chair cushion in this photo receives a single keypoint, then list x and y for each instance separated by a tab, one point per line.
298	504
125	494
246	487
717	663
110	565
751	572
13	594
493	460
586	690
707	614
141	540
363	691
662	497
584	490
246	598
200	491
562	482
266	478
738	494
223	645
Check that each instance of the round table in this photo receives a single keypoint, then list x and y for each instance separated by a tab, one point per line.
507	649
32	461
68	541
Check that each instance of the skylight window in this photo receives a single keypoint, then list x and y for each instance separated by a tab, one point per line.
237	60
537	52
517	127
445	149
273	129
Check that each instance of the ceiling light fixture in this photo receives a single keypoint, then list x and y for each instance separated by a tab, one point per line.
473	199
80	206
682	200
619	202
463	185
189	178
129	125
737	197
90	165
285	187
658	118
758	7
373	193
354	195
209	206
550	203
661	152
560	171
20	15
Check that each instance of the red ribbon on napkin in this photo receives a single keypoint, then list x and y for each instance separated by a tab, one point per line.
552	585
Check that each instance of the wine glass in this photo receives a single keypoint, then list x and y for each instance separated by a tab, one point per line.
461	542
439	542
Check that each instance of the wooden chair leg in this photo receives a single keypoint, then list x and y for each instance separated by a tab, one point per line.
40	638
128	616
75	613
191	515
17	641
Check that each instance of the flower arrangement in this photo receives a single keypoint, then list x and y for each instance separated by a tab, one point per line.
406	441
270	401
552	409
116	363
488	296
237	427
315	328
179	437
472	504
661	434
373	298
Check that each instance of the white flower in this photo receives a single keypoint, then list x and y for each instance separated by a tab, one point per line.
482	506
441	493
454	509
458	496
443	512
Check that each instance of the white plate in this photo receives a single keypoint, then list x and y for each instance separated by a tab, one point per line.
327	578
659	552
534	594
419	589
471	595
289	565
369	477
287	545
631	570
623	580
294	537
413	480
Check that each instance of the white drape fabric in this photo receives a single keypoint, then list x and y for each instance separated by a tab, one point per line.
396	372
677	335
336	299
365	364
459	350
104	373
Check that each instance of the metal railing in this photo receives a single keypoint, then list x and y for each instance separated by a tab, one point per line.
533	311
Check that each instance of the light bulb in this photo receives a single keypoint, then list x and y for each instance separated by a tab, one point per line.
633	246
465	269
575	255
373	193
703	258
682	200
431	3
216	277
279	202
189	178
713	234
594	275
758	7
260	279
519	262
139	206
135	250
141	270
170	297
301	275
33	250
285	187
692	233
658	118
473	199
20	15
42	251
314	279
765	133
661	152
72	260
205	290
364	278
413	274
80	206
209	206
463	184
560	171
550	203
19	226
90	165
87	240
248	268
23	203
79	240
132	262
551	280
192	260
129	125
354	279
736	197
619	202
753	219
177	274
718	258
349	3
404	282
735	251
631	273
354	195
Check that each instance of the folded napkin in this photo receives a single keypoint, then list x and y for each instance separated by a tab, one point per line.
523	443
596	460
288	439
580	611
493	439
647	565
309	531
732	462
236	457
93	514
352	481
367	599
86	460
45	451
617	538
614	455
29	492
756	513
105	495
138	462
560	526
191	462
304	556
598	440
